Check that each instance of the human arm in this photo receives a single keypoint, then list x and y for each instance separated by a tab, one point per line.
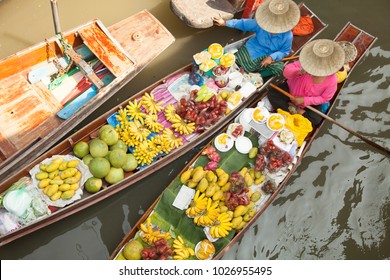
219	21
284	49
243	24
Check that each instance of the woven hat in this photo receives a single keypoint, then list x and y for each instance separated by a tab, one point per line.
277	16
350	51
322	57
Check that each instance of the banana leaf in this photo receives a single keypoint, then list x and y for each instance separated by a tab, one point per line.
174	220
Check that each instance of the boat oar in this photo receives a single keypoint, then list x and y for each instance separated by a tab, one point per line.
368	141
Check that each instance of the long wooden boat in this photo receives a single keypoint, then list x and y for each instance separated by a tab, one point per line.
33	117
177	220
164	90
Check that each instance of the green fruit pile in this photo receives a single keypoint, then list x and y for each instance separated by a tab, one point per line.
106	158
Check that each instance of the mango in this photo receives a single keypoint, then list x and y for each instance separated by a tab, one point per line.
43	167
211	189
56	182
63	166
69	172
73	163
259	180
226	187
223	209
191	184
74	186
185	176
52	190
71	180
67	194
202	185
53	174
217	195
257	174
230	213
253	152
56	196
255	196
223	179
241	225
210	176
249	215
198	175
64	187
44	183
239	211
252	173
52	166
196	169
243	171
219	172
236	222
42	175
248	180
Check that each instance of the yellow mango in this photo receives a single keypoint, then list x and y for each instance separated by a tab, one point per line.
236	221
73	163
71	180
56	182
75	186
56	196
218	195
211	189
69	172
185	176
226	187
52	167
77	175
223	209
191	184
239	211
230	213
53	174
252	173
46	189
193	170
248	180
44	183
64	187
42	175
198	175
249	215
52	190
259	180
58	161
219	172
243	171
241	225
67	194
210	176
43	167
63	166
223	179
255	196
202	185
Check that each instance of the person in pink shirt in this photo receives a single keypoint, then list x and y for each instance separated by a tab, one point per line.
311	80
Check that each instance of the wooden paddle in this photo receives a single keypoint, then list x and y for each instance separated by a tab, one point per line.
336	123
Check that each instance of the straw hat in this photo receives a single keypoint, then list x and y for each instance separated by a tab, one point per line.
322	57
277	16
350	51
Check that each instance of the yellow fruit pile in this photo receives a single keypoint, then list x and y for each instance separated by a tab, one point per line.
206	250
151	234
59	178
182	251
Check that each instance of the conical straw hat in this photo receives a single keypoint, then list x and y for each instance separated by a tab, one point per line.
322	57
349	50
277	16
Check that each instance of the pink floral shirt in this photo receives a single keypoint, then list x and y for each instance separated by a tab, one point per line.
302	85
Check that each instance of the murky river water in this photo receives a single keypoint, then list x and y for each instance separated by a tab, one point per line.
335	206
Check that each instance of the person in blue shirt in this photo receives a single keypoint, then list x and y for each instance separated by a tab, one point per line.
274	20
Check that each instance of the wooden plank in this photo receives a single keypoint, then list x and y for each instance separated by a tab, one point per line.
107	52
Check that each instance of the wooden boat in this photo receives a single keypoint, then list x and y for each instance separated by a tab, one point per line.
161	90
34	118
171	212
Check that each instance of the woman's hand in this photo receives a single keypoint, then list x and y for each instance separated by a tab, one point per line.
219	21
266	61
298	100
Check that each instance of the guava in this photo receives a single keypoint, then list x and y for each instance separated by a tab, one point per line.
130	164
110	136
81	149
98	148
114	175
132	250
87	159
99	167
93	185
117	158
119	145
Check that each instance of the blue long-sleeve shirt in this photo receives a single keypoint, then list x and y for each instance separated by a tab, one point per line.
277	46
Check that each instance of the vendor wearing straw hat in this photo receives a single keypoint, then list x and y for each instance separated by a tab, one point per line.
312	79
273	22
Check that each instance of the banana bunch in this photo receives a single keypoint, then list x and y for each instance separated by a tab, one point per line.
152	234
208	216
170	113
145	153
135	112
121	117
150	104
198	204
222	226
182	126
163	144
127	137
171	138
138	131
182	252
151	122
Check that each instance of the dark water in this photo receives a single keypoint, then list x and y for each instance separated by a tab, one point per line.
335	206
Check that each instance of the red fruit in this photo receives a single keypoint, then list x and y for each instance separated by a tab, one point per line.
209	150
211	165
214	157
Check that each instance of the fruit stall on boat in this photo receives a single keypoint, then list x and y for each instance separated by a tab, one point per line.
134	139
50	87
230	183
